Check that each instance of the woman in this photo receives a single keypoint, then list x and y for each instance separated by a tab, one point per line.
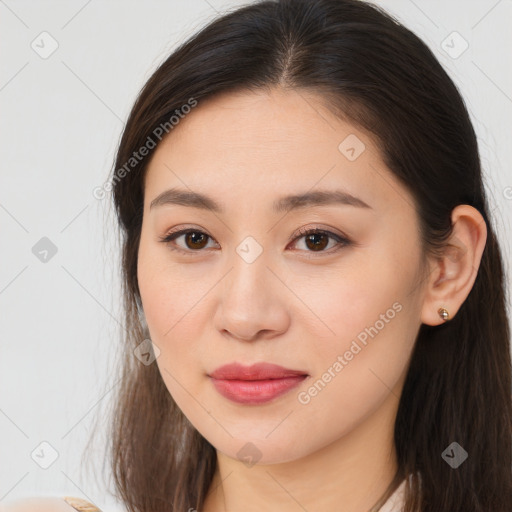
314	293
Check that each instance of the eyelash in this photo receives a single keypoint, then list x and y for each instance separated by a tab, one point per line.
342	241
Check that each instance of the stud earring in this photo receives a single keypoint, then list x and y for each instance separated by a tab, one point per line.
443	313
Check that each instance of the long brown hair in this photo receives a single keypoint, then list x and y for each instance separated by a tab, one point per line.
377	74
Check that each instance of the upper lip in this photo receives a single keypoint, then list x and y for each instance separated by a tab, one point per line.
258	371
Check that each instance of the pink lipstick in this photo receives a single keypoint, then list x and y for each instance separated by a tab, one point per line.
255	384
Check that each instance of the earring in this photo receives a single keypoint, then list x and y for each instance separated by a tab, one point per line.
443	313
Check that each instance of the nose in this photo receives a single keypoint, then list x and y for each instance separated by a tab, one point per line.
252	301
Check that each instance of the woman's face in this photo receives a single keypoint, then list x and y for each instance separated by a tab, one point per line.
341	307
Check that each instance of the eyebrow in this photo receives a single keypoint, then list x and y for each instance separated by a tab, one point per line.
289	202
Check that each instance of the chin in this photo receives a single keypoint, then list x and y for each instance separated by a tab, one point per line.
258	450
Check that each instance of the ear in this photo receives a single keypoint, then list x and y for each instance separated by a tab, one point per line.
452	276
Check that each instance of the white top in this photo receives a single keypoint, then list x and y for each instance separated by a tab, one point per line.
395	503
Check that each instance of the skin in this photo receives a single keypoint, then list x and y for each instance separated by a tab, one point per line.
209	307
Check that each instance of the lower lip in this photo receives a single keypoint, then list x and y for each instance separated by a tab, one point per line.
256	391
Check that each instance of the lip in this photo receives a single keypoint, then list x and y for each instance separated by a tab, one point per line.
255	384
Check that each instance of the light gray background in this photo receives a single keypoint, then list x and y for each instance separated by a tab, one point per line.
61	118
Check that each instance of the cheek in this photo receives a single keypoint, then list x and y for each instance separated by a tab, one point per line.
356	372
171	298
165	292
338	305
363	332
369	290
168	315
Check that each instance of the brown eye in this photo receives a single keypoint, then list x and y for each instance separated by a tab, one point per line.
317	241
194	240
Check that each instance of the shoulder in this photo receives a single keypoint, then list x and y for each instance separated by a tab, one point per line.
49	504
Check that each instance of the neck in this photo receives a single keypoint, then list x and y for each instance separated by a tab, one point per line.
348	475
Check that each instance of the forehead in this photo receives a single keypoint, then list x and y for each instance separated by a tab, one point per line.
265	143
272	122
